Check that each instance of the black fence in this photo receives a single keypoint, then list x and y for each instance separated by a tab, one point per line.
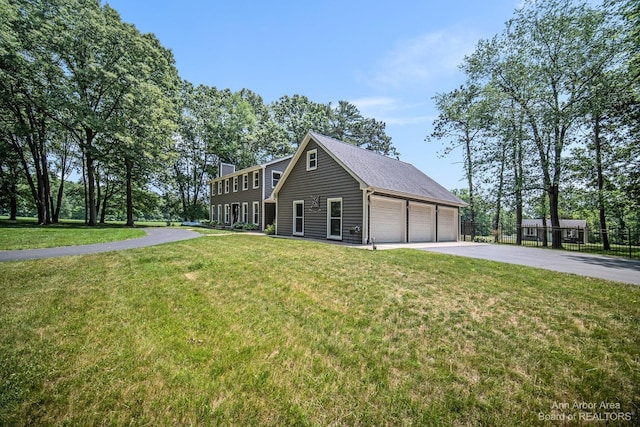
619	242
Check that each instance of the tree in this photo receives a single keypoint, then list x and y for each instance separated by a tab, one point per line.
544	61
465	119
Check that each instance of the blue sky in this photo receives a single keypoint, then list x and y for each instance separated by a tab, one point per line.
387	58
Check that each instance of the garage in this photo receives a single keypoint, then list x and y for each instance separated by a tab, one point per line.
387	219
421	222
447	224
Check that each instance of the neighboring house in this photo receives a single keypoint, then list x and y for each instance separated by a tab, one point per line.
573	230
244	195
337	191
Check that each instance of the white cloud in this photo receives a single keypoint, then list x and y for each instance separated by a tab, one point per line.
392	111
420	61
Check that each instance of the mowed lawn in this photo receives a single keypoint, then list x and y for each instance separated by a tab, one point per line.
26	234
249	330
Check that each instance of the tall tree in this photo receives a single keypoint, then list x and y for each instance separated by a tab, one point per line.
465	120
545	61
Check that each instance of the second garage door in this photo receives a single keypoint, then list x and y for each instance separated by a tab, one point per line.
387	218
421	222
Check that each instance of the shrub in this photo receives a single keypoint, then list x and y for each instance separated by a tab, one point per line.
270	230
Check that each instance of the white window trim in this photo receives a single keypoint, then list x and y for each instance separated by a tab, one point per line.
226	186
256	179
329	217
219	217
235	184
256	212
227	213
245	212
245	182
272	184
298	233
309	153
219	187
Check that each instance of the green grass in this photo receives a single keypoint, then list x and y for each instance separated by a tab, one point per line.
246	330
24	234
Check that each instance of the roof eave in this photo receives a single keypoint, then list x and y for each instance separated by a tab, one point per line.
380	190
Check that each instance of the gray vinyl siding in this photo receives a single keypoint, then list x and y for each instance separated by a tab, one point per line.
241	196
280	166
328	181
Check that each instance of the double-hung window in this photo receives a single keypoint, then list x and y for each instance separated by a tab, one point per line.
219	187
226	186
312	160
256	213
275	178
334	219
256	179
235	184
298	218
245	212
245	181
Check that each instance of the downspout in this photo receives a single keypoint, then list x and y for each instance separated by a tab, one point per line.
366	215
263	205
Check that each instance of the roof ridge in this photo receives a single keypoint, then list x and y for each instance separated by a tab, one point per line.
316	134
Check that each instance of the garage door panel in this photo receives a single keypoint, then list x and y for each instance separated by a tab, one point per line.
421	222
387	218
447	225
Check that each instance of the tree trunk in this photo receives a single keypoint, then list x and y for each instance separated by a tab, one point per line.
469	167
496	218
91	181
129	167
556	232
601	207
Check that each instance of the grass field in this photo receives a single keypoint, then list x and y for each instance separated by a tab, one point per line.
24	234
247	330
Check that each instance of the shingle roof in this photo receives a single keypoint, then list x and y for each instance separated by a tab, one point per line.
385	173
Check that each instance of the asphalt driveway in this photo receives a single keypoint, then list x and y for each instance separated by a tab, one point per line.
155	236
584	264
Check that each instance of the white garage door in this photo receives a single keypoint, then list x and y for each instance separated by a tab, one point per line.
387	220
421	222
447	225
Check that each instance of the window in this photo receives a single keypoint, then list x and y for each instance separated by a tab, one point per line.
219	217
226	186
235	184
245	212
256	213
312	160
275	178
245	181
256	179
227	210
334	219
219	187
298	218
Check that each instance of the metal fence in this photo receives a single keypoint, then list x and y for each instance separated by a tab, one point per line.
621	242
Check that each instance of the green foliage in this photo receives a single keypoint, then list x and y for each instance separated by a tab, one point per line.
270	230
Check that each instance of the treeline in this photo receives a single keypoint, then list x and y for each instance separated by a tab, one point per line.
548	120
84	95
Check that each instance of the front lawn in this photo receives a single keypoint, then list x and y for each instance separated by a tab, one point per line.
25	234
249	330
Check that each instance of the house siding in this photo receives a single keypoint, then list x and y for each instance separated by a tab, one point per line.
280	166
328	181
241	196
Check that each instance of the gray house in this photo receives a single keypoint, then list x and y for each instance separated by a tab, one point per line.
573	230
337	191
245	195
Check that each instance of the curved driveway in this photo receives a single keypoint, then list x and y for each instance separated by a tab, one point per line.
155	236
584	264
